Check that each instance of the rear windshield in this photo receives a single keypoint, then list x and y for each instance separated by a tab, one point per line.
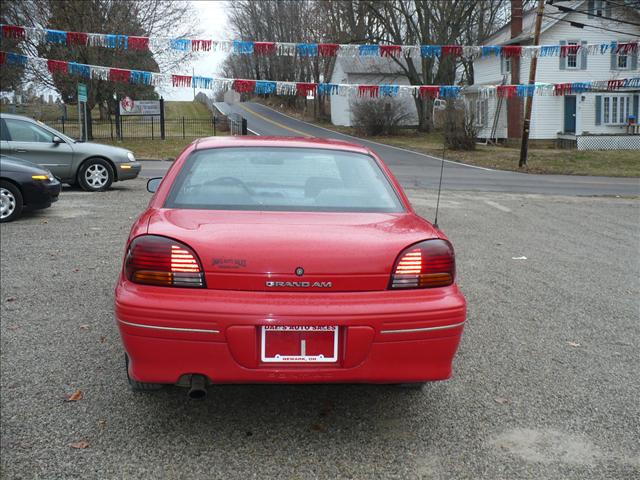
282	179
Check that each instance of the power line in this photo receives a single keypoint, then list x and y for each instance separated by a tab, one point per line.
583	25
587	12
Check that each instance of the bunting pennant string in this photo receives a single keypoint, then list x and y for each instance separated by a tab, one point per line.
304	89
313	49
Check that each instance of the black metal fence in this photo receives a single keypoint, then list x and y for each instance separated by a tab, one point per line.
144	127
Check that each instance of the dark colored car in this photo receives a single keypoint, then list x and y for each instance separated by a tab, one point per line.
93	166
24	186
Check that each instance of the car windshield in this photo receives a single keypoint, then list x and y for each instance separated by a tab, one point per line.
282	179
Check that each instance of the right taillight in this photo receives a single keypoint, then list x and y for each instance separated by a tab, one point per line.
427	264
155	260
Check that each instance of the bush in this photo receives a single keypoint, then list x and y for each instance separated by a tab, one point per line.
377	116
459	127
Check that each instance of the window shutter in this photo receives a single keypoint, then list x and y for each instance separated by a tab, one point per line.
485	109
598	109
634	60
607	8
591	7
563	60
502	65
636	107
583	53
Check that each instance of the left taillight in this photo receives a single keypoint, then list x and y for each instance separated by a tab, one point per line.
155	260
427	264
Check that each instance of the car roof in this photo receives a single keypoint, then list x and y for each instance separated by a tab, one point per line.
17	117
273	141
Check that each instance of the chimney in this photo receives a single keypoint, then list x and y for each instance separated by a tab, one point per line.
514	104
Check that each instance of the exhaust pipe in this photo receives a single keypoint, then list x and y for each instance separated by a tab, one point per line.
198	389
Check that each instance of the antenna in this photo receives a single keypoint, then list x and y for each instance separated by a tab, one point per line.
435	221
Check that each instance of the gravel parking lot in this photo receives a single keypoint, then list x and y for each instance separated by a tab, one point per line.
546	381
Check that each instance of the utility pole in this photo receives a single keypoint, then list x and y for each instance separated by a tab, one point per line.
524	148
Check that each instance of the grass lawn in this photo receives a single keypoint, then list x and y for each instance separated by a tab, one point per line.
145	148
612	163
44	112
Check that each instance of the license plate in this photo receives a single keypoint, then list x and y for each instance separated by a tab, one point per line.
308	344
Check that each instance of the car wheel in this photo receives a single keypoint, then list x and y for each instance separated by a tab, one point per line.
140	386
10	201
95	175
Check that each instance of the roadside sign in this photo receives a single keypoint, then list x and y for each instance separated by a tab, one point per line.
82	92
128	106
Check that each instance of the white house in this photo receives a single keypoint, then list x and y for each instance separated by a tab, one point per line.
369	71
589	120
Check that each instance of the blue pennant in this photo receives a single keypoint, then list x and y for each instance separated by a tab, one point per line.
327	88
369	50
431	50
182	44
16	59
140	78
580	87
550	50
307	49
491	50
116	41
56	36
389	90
242	47
79	69
265	87
525	90
202	82
449	91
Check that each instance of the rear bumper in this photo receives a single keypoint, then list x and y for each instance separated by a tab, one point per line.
385	337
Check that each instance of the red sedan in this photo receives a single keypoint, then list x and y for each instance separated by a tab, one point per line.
285	260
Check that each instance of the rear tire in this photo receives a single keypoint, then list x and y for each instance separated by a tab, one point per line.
140	386
11	202
95	175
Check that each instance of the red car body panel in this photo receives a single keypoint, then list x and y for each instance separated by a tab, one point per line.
384	336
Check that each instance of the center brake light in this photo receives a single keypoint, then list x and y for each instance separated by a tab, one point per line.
155	260
425	265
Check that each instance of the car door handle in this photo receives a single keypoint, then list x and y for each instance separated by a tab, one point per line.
20	150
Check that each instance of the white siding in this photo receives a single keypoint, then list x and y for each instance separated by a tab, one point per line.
484	130
340	112
547	118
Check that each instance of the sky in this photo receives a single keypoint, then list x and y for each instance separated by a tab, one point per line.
213	24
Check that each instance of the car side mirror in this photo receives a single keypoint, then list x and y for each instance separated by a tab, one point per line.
57	140
153	184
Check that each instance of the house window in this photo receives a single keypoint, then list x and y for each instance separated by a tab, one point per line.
572	57
622	61
616	109
481	110
506	65
598	8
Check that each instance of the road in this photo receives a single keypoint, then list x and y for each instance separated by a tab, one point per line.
419	170
545	382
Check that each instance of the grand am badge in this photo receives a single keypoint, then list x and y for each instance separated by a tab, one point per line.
272	284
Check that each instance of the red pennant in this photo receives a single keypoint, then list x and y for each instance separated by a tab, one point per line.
627	48
119	75
305	89
181	80
328	49
244	86
511	51
200	45
562	89
507	91
568	50
615	84
452	50
77	38
12	31
431	91
368	90
3	58
390	50
264	48
57	66
138	43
